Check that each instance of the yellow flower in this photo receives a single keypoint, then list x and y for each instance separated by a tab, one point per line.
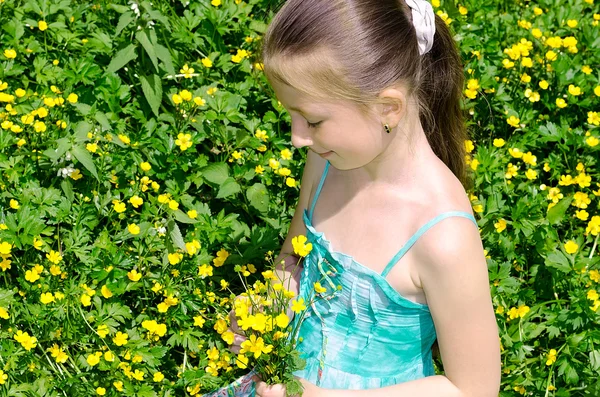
261	134
571	247
54	257
469	146
319	289
174	205
158	377
242	361
106	293
145	166
32	276
593	118
592	295
47	298
222	255
572	23
136	201
255	345
531	174
93	359
177	99
513	121
551	357
100	391
10	54
14	204
298	305
205	270
120	338
199	321
286	154
187	71
300	246
124	138
91	147
119	206
186	95
500	225
102	330
592	141
215	3
561	103
85	300
4	313
134	275
42	25
184	141
574	90
175	258
207	62
133	228
192	214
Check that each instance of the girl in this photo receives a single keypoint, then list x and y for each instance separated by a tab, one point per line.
373	88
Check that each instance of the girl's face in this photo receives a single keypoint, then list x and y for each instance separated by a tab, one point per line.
335	130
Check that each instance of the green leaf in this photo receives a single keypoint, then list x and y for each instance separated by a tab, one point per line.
165	56
143	39
103	120
595	359
61	149
81	130
215	173
122	58
258	196
229	187
557	213
152	88
83	108
183	217
85	158
124	20
175	234
258	26
68	189
558	261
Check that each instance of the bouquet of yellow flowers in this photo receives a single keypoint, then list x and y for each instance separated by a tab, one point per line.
269	315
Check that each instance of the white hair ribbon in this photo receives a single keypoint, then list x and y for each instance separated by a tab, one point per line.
424	23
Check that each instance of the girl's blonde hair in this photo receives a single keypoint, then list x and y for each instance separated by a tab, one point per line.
353	49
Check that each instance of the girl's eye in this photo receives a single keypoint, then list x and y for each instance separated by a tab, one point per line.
313	125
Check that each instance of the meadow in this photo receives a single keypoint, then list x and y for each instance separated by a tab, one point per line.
146	169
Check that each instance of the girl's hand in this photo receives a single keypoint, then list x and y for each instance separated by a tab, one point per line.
264	390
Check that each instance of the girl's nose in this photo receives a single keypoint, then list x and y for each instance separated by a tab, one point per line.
300	136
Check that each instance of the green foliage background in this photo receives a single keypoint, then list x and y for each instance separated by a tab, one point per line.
125	68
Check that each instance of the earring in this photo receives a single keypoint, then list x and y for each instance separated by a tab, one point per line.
387	128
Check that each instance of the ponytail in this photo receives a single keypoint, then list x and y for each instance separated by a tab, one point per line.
440	92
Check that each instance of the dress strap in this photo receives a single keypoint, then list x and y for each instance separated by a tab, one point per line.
420	232
312	207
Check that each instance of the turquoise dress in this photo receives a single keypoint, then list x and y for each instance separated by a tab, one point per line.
364	335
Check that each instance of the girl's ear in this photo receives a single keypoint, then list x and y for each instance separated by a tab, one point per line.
393	112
